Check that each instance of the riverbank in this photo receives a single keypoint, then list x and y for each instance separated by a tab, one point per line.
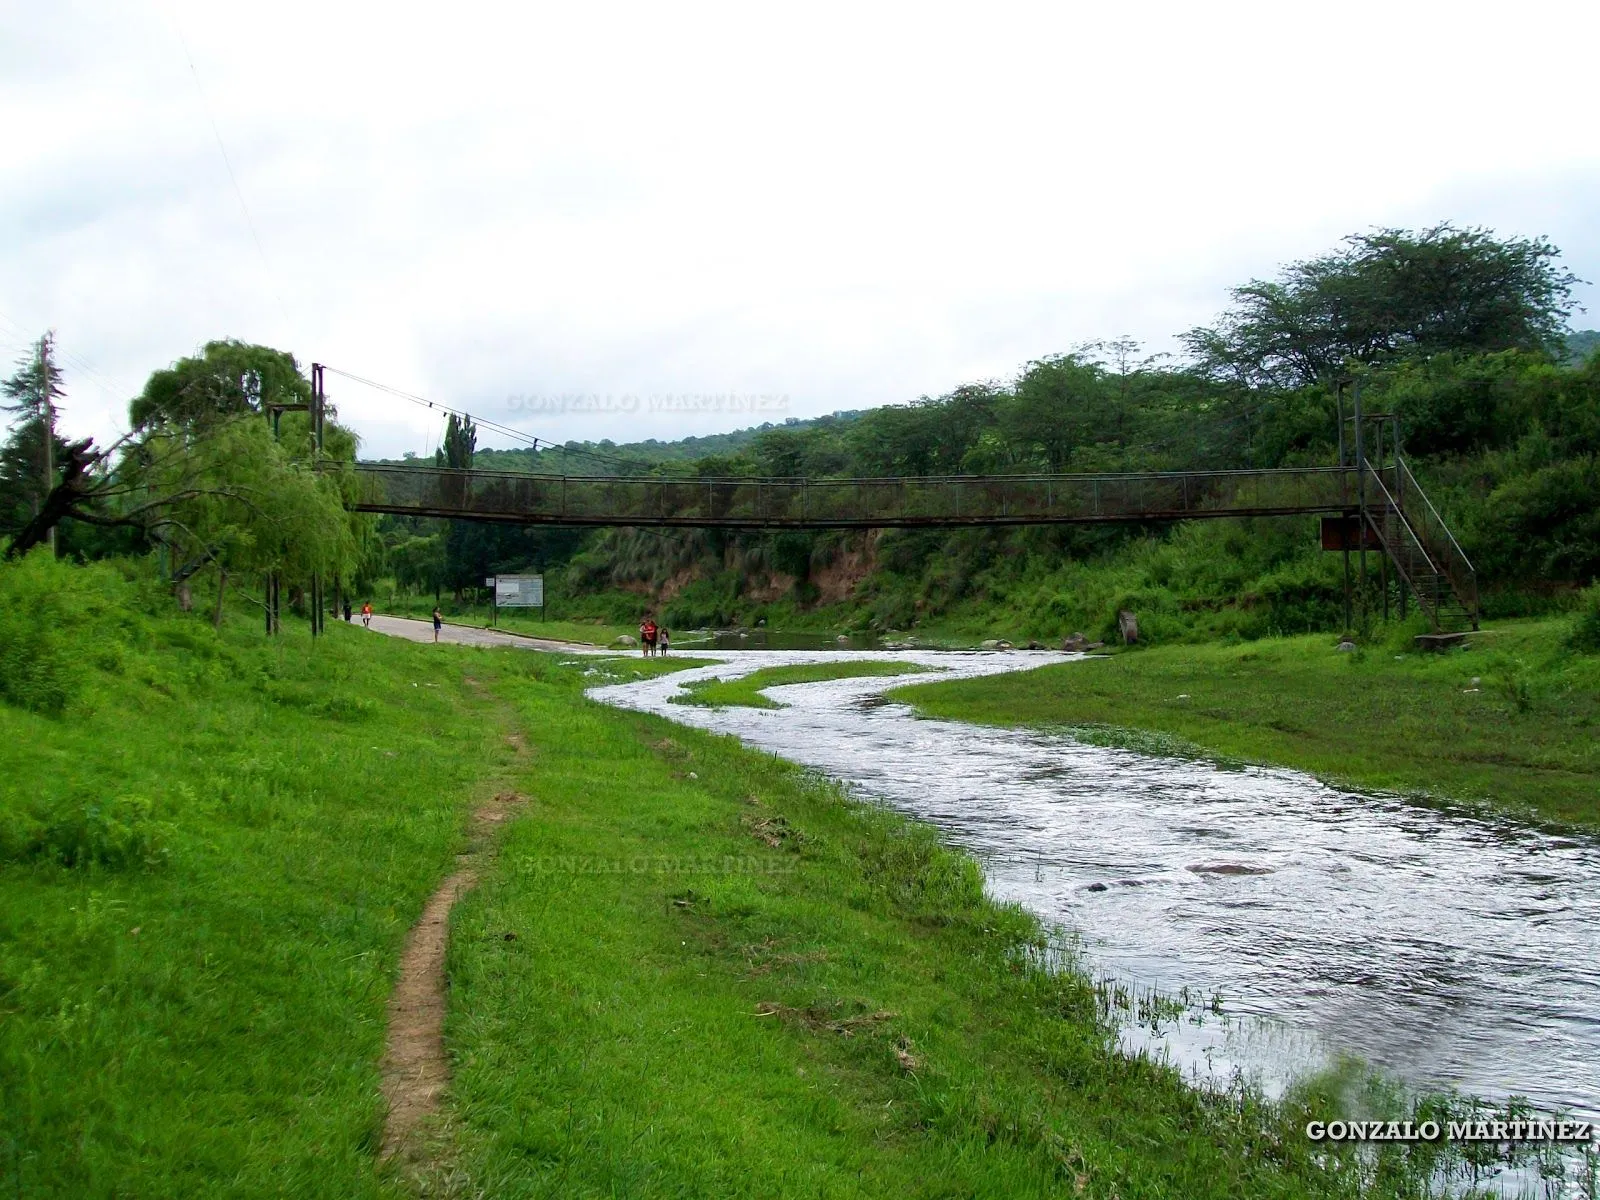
1508	721
689	969
210	854
698	970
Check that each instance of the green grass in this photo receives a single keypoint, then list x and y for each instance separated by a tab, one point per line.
699	971
592	633
205	1017
747	690
692	970
1523	740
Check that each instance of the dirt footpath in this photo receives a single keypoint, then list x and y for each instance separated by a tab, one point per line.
468	635
416	1069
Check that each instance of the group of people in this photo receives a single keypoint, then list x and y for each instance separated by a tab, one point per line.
653	638
366	614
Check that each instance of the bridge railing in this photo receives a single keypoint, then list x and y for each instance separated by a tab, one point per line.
748	502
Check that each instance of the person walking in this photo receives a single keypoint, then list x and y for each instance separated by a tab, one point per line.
438	622
647	636
347	612
663	641
366	615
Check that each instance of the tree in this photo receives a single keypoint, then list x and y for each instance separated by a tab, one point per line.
205	474
235	497
1387	295
1055	408
31	454
419	562
227	378
460	442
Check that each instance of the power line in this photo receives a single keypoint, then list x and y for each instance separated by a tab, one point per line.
233	178
528	438
109	387
493	426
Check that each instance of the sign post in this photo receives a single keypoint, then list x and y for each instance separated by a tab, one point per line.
519	591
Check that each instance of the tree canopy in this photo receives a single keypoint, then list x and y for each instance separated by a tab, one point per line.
1386	295
225	379
32	393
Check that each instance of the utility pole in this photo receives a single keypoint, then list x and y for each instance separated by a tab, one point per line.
1361	500
46	385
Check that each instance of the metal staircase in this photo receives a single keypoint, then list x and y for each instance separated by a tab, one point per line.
1416	540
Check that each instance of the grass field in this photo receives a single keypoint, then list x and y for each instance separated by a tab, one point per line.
1512	721
700	971
746	691
692	969
207	865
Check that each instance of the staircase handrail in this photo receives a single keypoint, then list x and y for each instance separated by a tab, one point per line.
1459	570
1414	486
1394	507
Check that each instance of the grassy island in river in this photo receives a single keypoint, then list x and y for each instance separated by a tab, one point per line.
1509	721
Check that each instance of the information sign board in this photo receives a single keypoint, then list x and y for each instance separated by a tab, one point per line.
519	591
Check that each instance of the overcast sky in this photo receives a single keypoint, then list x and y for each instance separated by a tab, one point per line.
514	209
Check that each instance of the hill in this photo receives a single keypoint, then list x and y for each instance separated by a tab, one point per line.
606	457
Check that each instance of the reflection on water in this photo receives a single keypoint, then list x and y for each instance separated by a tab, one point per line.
1446	948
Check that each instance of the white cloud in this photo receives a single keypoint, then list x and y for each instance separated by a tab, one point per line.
839	204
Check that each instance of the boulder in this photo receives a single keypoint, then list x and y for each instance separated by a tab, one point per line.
1345	647
626	639
1128	626
991	644
842	639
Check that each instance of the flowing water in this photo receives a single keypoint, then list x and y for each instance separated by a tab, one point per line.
1448	949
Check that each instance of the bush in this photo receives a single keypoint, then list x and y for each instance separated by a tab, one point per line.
40	668
1585	635
58	624
115	832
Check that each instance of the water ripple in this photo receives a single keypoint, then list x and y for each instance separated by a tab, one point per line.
1448	948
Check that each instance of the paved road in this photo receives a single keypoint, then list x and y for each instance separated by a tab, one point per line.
468	635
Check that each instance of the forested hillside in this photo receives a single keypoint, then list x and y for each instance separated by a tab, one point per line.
1463	334
606	457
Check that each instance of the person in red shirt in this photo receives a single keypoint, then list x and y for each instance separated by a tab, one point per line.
647	636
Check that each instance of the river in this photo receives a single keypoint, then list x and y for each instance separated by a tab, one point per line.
1445	948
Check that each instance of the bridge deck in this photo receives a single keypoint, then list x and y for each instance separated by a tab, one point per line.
751	503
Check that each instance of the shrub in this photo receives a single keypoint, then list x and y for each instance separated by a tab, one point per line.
116	832
1585	635
40	667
